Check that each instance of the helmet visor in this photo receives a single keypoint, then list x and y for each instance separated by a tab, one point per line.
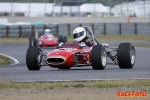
77	35
47	32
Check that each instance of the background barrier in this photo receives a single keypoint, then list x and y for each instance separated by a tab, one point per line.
67	29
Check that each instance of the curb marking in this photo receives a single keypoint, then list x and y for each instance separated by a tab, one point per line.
15	60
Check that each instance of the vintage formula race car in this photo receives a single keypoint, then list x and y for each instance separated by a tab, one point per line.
75	54
47	40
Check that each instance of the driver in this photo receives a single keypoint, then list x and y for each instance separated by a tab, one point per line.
80	35
47	32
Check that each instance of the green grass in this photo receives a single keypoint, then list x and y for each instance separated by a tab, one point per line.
4	60
13	40
98	84
120	38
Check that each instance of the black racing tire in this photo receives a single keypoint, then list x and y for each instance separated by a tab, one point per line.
31	58
42	44
60	38
98	57
126	55
33	41
65	39
57	47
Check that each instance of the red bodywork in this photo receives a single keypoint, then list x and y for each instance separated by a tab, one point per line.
65	56
47	41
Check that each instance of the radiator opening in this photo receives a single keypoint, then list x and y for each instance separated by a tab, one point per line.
55	61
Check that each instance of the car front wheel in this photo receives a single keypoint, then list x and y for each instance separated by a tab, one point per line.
33	58
98	57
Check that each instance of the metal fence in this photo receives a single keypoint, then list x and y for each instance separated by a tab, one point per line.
67	29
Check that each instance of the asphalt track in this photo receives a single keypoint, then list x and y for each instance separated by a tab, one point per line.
20	73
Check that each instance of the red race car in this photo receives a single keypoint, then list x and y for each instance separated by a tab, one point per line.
49	40
78	54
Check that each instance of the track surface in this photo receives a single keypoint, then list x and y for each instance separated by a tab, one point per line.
20	73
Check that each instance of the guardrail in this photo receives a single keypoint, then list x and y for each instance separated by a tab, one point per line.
67	29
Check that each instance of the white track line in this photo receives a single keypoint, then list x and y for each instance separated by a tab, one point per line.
15	60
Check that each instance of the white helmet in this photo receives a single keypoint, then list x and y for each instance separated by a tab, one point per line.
47	31
79	34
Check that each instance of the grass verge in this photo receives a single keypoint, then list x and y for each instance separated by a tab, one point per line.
13	40
4	60
98	84
120	38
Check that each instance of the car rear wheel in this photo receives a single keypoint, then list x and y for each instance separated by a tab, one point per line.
126	55
32	41
98	57
33	58
65	39
42	44
60	38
